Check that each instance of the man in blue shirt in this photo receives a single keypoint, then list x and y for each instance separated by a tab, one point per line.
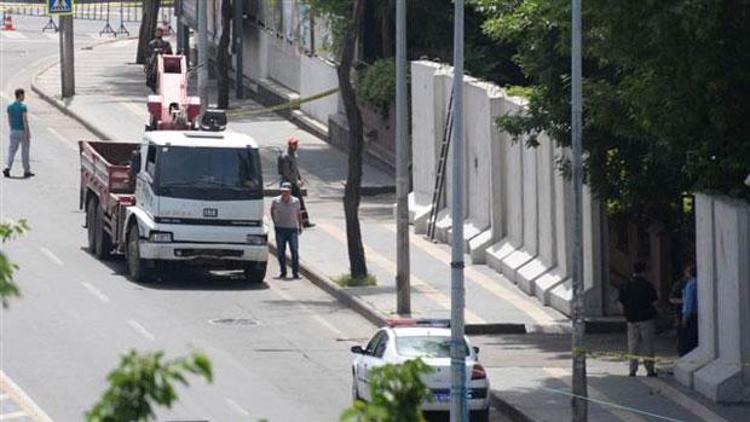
688	339
20	134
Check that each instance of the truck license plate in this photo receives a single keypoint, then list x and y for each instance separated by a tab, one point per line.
210	212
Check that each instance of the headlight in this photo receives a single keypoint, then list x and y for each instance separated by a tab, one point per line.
160	237
257	239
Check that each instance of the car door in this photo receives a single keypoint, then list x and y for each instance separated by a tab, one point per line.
365	364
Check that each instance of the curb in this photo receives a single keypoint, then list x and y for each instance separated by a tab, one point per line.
507	409
328	286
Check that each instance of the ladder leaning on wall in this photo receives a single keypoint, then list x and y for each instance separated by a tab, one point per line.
438	190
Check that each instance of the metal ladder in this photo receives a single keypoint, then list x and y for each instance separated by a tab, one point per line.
437	193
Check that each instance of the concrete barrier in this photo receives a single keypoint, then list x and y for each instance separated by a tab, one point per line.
719	367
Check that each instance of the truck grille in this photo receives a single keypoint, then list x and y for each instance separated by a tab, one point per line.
218	253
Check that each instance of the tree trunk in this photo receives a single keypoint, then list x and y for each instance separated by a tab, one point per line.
222	55
148	28
357	264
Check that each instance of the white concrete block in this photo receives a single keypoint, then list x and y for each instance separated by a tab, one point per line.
546	282
318	75
527	275
689	364
511	263
561	297
721	381
478	247
530	201
419	211
499	251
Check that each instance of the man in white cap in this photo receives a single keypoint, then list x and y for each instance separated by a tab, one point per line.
286	214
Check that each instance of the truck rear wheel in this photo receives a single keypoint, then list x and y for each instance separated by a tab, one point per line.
255	272
137	267
99	241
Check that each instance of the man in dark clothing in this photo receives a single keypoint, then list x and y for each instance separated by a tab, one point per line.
289	172
155	47
637	297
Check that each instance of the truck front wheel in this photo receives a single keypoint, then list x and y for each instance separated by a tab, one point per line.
255	272
137	267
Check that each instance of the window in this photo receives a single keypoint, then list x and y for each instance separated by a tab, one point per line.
372	345
151	160
382	344
426	346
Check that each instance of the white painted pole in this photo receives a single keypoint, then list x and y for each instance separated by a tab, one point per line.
203	53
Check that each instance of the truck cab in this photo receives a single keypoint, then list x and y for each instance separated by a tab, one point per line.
198	200
185	198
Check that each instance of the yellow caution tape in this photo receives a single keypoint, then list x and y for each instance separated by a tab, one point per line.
283	106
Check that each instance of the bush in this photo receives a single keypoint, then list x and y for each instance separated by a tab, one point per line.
376	85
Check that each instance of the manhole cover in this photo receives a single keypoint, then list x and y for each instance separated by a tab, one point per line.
233	321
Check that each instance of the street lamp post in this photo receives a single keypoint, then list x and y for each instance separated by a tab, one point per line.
403	293
459	409
579	403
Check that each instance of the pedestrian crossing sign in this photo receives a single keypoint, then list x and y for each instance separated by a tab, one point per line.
60	7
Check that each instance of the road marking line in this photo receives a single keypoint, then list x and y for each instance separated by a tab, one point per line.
416	283
52	257
96	292
686	402
514	298
13	35
594	393
317	317
140	329
22	399
13	415
61	138
236	407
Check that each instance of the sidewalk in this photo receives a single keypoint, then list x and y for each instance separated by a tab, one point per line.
529	372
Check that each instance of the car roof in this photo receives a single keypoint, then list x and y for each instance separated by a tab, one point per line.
180	138
407	331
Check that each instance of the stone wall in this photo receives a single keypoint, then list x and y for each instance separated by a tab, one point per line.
517	205
719	367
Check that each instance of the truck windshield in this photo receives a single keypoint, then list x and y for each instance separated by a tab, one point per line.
209	173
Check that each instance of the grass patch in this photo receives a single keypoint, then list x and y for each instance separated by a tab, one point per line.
346	280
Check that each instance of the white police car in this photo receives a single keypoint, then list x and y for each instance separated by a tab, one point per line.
406	339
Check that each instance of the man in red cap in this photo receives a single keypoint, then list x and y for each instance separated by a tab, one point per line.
289	172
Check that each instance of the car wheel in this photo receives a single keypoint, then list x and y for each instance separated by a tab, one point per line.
255	272
480	415
137	267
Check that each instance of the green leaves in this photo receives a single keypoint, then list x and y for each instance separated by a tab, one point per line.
8	288
143	381
397	392
666	93
377	85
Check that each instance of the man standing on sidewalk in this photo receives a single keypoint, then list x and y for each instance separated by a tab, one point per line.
289	172
688	338
287	221
637	297
20	134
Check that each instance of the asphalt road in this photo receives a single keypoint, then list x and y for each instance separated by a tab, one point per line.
279	349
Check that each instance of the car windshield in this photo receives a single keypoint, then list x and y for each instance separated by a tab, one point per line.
425	346
209	173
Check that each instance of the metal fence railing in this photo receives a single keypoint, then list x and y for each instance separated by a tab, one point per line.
103	10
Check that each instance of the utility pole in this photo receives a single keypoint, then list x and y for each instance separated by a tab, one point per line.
203	53
67	65
403	283
578	403
239	38
459	408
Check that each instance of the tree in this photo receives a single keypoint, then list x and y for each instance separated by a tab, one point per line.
149	20
142	381
666	93
397	393
222	55
346	16
8	288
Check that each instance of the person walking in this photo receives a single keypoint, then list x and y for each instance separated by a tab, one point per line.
289	172
688	338
20	134
287	221
637	297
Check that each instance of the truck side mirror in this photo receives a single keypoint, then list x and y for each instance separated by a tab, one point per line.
476	350
135	162
357	350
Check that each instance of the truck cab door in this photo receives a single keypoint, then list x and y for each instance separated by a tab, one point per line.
144	192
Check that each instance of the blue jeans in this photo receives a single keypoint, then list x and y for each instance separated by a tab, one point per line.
284	236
